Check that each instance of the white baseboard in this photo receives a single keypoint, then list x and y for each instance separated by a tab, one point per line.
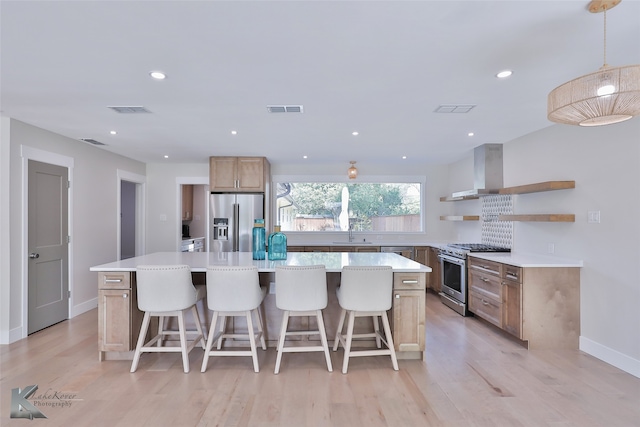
610	356
83	308
15	334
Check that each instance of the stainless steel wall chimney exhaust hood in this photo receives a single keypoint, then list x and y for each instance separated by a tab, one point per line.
487	171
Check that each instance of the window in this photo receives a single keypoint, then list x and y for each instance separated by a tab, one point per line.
338	206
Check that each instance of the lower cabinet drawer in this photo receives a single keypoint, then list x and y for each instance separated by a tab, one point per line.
409	281
484	307
485	284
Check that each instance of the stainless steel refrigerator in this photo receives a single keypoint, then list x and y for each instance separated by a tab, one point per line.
231	220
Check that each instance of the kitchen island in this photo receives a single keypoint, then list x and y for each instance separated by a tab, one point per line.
119	318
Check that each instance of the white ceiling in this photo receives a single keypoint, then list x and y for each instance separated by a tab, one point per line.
380	68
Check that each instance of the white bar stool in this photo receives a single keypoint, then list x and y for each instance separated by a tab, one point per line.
234	291
301	291
365	291
165	291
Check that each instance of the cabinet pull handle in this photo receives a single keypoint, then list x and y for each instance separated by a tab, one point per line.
397	296
484	302
125	296
484	279
512	276
112	280
410	282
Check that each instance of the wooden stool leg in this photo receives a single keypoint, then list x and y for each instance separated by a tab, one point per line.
263	343
376	330
252	341
336	342
223	328
183	341
387	333
347	348
283	333
141	337
207	350
196	318
323	338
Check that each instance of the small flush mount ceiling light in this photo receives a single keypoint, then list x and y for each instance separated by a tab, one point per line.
113	132
470	134
504	74
610	95
304	157
352	172
158	75
166	156
355	133
234	132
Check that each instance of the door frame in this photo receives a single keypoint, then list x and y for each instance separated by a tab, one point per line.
189	180
30	153
141	182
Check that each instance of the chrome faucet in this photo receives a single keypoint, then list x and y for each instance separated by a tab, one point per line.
350	233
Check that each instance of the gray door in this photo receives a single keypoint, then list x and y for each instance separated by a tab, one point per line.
48	247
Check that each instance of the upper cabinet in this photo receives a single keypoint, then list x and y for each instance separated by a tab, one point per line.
238	174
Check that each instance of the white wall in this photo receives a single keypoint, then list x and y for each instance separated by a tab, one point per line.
605	163
93	232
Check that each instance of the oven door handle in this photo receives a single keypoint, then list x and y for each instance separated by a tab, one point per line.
452	260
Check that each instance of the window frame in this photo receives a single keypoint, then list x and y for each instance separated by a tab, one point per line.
370	179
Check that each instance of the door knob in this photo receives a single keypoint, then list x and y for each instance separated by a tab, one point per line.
34	255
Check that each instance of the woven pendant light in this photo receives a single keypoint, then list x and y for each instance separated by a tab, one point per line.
610	95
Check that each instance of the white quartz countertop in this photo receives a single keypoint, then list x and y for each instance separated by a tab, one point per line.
527	260
333	261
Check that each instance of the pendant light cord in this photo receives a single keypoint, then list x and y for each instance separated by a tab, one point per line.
605	37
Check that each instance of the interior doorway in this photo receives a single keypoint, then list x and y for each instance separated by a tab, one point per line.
127	219
131	214
48	245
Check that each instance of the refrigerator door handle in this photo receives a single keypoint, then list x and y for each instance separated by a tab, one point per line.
236	227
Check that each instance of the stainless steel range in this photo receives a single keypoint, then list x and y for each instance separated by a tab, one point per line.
453	268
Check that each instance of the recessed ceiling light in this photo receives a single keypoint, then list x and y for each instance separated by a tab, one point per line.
158	75
404	157
355	133
304	157
234	132
113	132
166	157
470	134
504	74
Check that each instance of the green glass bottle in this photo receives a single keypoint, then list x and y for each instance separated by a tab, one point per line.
277	246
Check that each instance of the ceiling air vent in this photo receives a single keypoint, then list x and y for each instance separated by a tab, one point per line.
92	141
130	110
454	109
285	108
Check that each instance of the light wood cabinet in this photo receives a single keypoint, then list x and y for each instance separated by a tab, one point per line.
408	309
119	319
239	174
428	255
538	305
187	202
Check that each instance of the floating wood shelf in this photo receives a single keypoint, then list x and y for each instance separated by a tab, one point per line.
539	217
539	187
460	218
457	199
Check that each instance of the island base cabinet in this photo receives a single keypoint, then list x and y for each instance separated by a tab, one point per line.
408	314
119	319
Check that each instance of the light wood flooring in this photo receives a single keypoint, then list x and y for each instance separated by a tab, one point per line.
472	376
